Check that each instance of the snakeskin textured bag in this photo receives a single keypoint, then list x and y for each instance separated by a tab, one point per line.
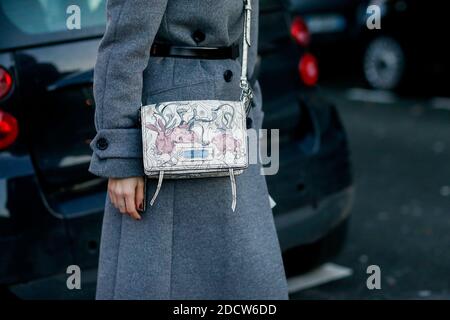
199	138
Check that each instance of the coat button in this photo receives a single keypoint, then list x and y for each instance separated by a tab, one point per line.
102	144
228	75
198	36
249	122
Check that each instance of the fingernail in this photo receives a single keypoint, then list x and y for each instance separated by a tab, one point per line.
141	206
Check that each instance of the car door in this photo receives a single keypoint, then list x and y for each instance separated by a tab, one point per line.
54	71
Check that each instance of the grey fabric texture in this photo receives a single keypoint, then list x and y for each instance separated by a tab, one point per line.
189	244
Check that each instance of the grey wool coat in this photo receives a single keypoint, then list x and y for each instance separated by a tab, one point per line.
189	244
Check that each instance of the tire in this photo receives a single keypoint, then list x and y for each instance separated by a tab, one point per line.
384	63
307	257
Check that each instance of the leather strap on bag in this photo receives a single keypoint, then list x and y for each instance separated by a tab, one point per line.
246	93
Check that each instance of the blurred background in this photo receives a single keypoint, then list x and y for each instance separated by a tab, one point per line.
359	91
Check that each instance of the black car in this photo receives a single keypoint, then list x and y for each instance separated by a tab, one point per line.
330	21
51	206
408	48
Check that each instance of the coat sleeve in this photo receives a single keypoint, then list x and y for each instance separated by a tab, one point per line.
122	57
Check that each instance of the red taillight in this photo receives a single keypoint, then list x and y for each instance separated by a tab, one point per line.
5	83
9	129
309	69
300	32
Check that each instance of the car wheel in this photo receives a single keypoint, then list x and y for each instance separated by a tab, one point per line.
384	63
307	257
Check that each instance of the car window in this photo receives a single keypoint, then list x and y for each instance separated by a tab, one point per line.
49	16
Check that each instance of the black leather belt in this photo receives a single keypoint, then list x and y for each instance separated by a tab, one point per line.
168	50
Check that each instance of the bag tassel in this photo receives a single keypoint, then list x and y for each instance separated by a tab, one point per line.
158	187
233	189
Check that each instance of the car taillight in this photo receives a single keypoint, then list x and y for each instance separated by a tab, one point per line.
309	69
9	129
300	32
5	83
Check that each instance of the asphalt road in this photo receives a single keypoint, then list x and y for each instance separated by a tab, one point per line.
401	217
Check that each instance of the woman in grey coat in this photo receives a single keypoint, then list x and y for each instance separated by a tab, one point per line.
189	244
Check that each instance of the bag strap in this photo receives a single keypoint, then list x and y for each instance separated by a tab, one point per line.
246	93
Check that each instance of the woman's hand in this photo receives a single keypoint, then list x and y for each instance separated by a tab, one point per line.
127	195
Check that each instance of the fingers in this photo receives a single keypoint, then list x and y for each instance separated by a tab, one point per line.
131	205
122	193
140	196
112	195
121	204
